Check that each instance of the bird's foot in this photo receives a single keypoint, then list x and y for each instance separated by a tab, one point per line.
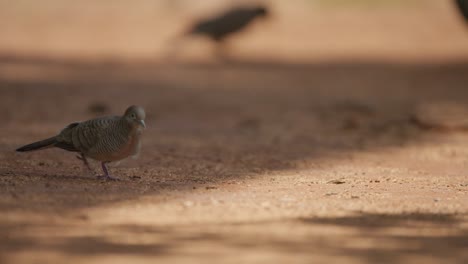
108	178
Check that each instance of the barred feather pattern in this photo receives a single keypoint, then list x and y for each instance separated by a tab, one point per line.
103	139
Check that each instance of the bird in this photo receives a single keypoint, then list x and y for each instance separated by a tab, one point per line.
105	139
219	27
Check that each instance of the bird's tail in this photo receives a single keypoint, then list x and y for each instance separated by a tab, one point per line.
46	143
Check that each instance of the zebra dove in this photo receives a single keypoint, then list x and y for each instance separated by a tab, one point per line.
105	139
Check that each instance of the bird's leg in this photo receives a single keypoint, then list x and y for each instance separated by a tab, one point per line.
85	161
106	172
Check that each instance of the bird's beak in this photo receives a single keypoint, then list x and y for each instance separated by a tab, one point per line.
142	123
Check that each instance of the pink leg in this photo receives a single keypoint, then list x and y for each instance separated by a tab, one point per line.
106	172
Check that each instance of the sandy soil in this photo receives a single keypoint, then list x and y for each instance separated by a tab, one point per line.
305	155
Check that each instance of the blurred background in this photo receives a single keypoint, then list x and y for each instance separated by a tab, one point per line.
278	131
296	31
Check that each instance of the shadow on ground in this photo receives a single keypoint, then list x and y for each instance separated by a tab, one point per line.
217	124
212	123
368	238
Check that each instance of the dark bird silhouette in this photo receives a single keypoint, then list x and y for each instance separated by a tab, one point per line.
232	21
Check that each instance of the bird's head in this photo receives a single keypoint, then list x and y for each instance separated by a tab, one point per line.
135	115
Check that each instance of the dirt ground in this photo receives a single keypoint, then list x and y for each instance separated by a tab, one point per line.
298	149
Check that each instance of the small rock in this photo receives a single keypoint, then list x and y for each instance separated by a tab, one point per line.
210	187
336	182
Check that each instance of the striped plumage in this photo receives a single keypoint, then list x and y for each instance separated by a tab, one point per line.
105	139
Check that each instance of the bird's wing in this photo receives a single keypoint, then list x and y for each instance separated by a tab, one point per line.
85	135
64	138
225	23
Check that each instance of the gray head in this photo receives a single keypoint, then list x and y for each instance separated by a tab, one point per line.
135	115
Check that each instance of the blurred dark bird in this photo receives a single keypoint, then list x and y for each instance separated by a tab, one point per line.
463	7
232	21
